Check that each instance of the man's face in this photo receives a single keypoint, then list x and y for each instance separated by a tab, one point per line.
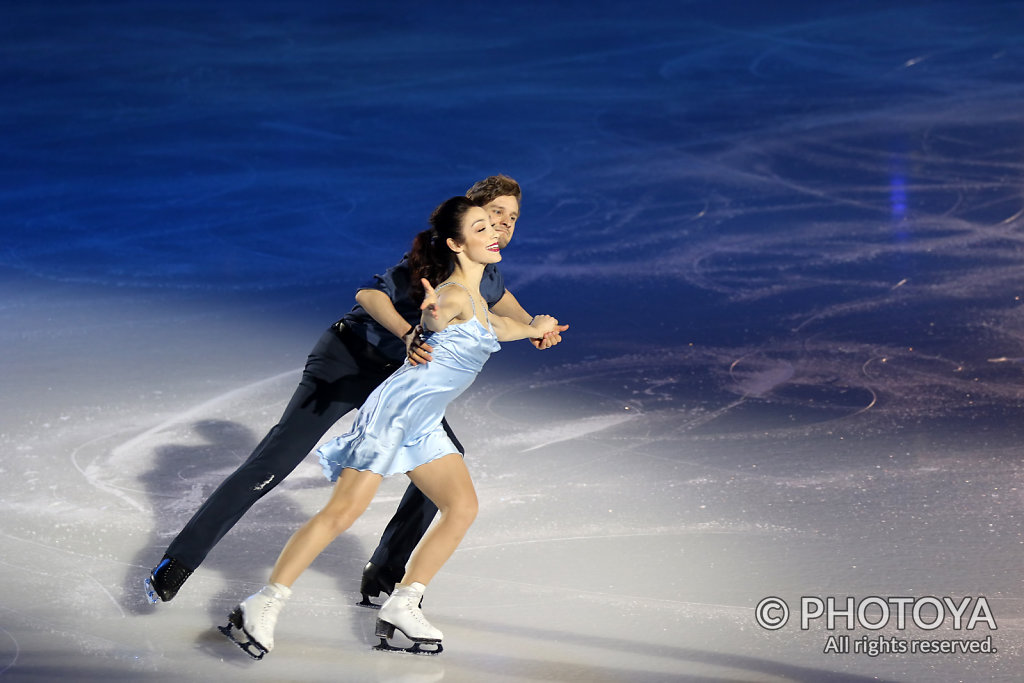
503	212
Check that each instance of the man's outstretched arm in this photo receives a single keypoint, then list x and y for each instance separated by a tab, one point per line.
382	309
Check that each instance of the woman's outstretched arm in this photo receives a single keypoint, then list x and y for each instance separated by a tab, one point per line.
508	329
440	311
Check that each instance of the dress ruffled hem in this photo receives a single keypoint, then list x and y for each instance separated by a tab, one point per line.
365	453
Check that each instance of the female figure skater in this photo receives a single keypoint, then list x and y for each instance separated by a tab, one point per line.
399	430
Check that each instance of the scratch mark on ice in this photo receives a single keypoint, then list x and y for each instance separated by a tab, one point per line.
576	429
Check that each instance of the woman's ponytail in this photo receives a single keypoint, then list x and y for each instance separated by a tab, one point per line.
425	262
430	257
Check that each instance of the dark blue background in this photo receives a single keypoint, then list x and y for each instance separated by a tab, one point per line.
710	172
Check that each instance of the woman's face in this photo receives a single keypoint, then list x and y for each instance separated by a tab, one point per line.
479	238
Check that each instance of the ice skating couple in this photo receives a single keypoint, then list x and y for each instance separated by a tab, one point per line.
416	338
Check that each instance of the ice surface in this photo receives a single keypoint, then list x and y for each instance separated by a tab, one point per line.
787	239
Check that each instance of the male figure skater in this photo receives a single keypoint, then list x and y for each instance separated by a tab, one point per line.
351	358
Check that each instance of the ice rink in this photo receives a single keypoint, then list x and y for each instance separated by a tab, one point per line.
789	244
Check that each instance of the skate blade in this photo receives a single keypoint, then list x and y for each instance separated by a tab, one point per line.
386	630
366	602
233	627
151	595
415	649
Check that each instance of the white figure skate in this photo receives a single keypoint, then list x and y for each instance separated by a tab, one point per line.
255	618
402	611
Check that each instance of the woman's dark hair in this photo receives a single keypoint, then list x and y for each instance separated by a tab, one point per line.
430	256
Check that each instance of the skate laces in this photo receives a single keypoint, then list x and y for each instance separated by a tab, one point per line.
411	598
417	614
270	608
274	602
273	599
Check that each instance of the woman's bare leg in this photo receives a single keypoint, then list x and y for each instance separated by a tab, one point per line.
352	494
446	482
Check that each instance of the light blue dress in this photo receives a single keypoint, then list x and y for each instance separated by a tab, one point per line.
399	426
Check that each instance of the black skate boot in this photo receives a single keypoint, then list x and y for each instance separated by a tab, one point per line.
377	580
166	579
